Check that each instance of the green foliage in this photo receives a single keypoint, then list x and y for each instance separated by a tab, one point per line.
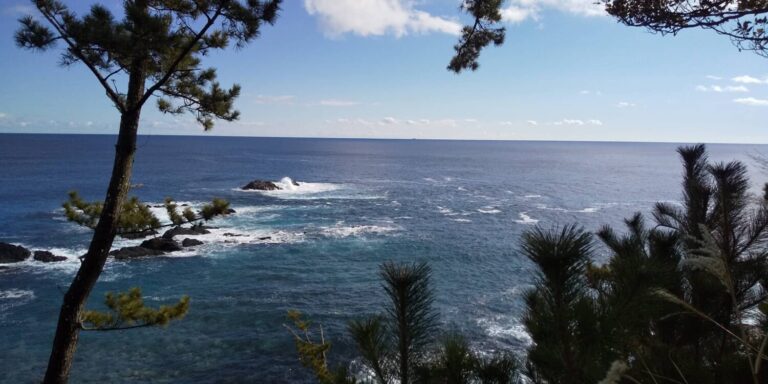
681	302
217	207
483	32
127	310
744	22
561	316
159	40
136	217
312	354
399	346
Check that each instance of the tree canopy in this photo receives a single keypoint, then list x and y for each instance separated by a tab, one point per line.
165	39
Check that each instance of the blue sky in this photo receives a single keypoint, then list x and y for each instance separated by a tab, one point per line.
376	69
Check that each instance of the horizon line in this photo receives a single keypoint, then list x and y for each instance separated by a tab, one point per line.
388	138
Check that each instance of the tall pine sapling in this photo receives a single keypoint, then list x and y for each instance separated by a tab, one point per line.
155	50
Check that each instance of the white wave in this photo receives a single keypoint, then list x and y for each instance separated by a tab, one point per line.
340	230
532	196
559	209
489	210
431	180
17	294
502	327
462	220
462	189
446	211
525	219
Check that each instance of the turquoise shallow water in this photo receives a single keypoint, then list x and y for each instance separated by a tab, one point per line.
459	205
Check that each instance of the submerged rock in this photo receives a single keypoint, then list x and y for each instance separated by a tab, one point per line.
47	257
195	230
190	242
10	253
260	185
265	238
161	244
134	252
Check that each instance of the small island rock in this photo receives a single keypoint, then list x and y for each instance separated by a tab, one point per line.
161	244
47	257
134	252
260	185
10	253
190	242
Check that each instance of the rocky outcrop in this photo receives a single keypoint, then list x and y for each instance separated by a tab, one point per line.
190	242
161	244
139	235
10	253
134	252
195	230
47	257
260	185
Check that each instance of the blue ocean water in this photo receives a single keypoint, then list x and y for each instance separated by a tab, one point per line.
459	205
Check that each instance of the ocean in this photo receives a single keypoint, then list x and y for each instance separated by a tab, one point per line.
459	205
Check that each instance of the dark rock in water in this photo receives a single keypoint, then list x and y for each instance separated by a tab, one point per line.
134	252
47	257
196	230
231	211
230	234
295	183
10	253
139	235
261	185
265	238
161	244
190	242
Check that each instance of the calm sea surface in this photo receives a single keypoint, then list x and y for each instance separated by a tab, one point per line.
459	205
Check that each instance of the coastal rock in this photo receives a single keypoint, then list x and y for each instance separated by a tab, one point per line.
10	253
161	244
47	257
265	238
195	230
260	185
139	235
230	211
190	242
230	234
134	252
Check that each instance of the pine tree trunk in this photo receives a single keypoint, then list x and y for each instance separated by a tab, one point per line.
68	328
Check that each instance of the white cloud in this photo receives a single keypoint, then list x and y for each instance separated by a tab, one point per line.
746	79
376	18
521	10
532	122
507	123
721	89
337	103
3	115
578	122
282	99
751	101
625	104
713	77
389	120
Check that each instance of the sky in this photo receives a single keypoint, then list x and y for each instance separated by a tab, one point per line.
376	69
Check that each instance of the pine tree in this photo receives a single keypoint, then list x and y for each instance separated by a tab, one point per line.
156	51
401	345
